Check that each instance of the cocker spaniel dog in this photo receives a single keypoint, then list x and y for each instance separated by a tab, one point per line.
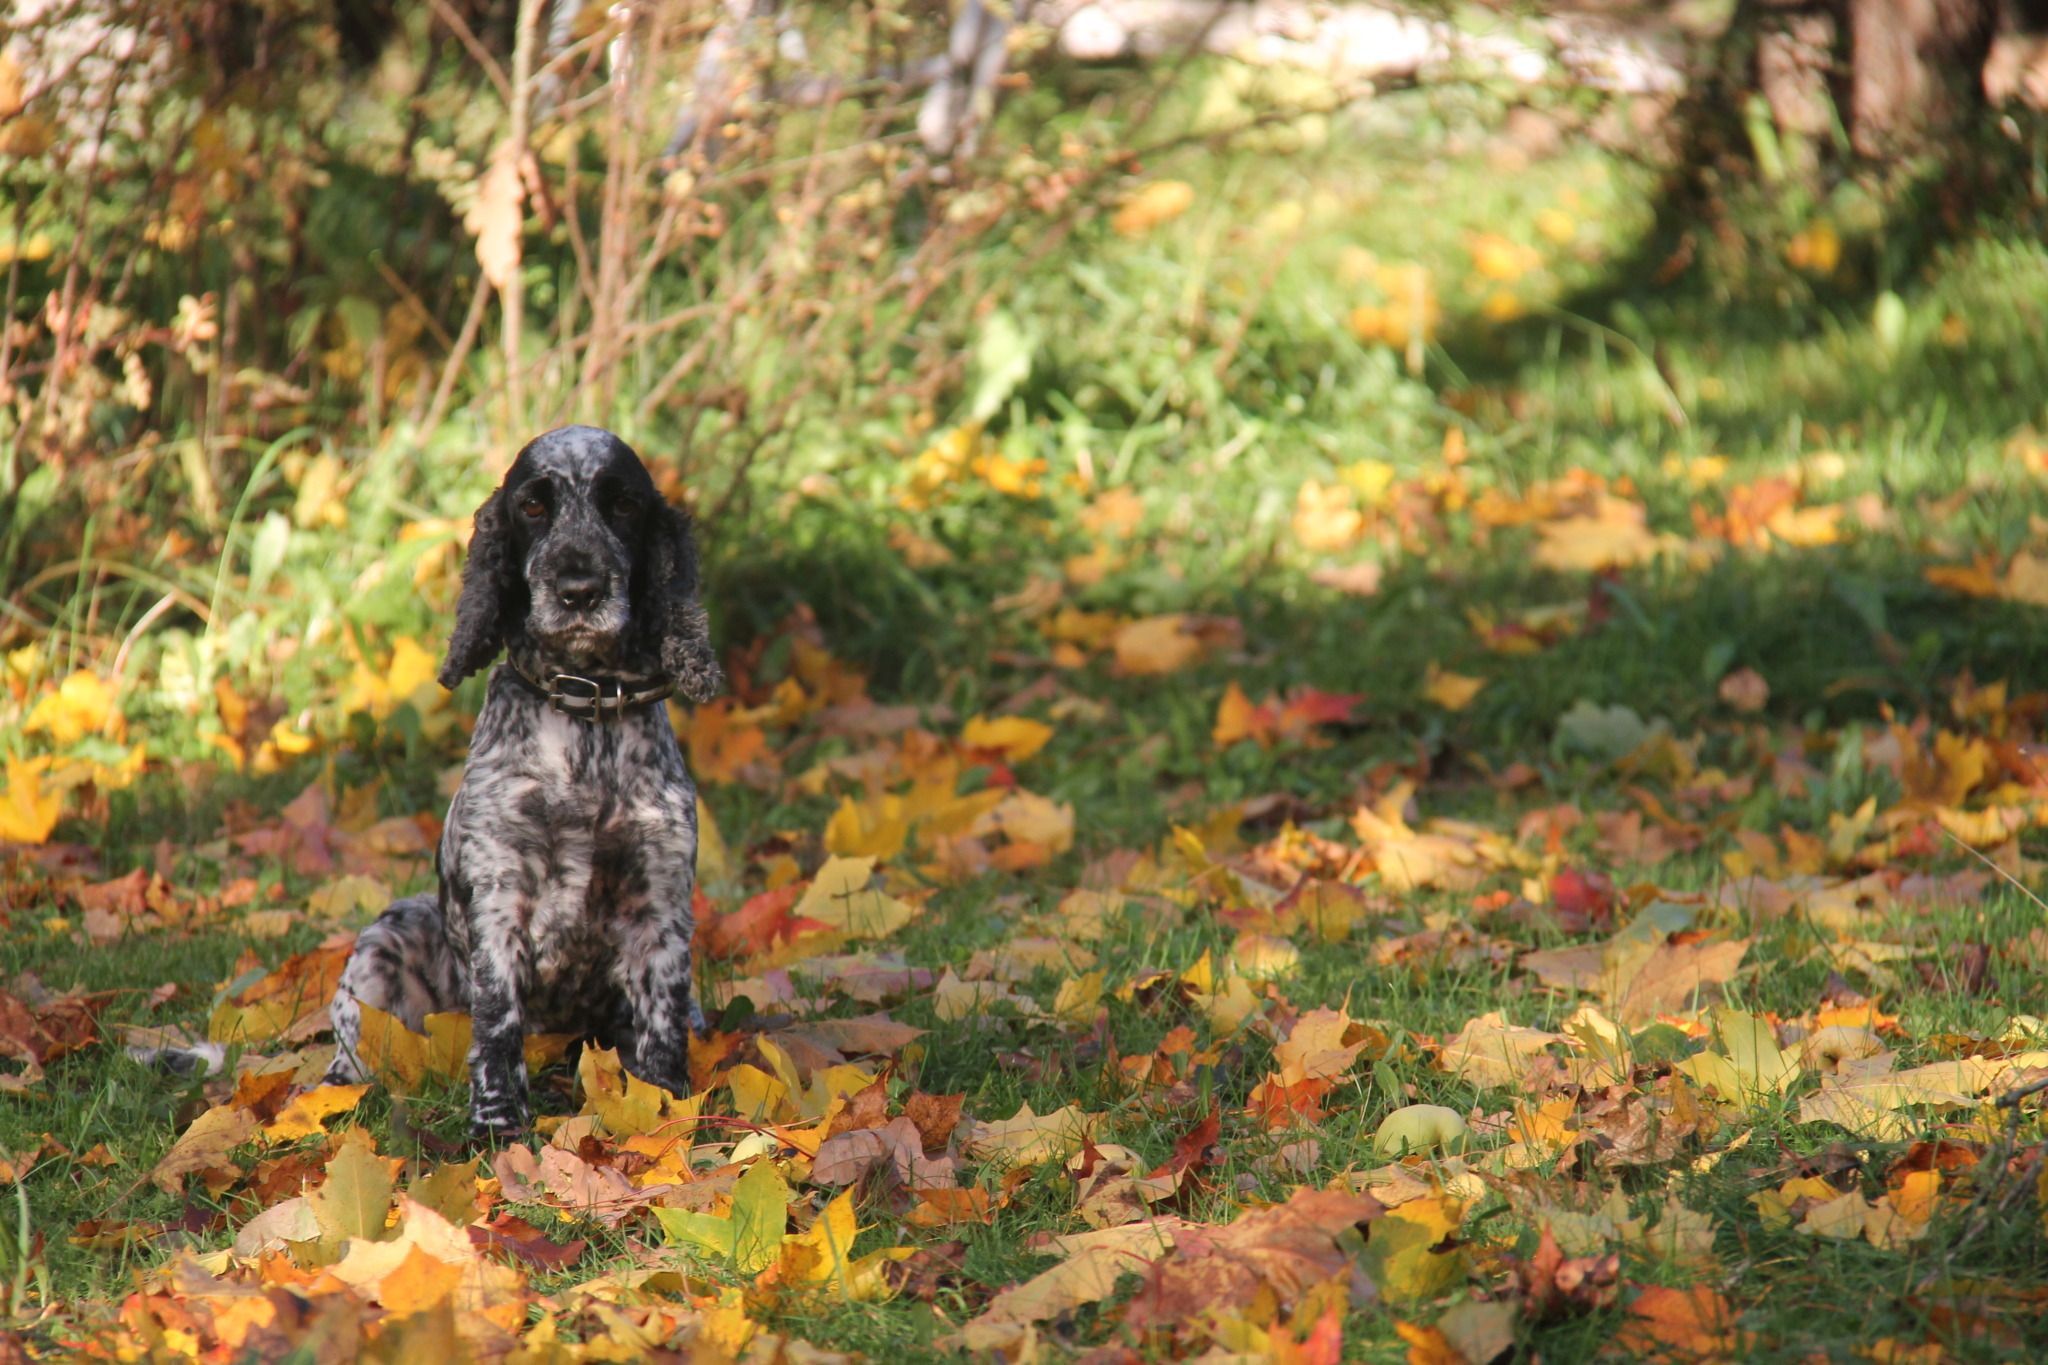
570	853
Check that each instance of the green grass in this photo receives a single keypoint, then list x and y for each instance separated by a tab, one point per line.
1126	370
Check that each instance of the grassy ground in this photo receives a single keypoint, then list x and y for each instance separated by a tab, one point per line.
1259	282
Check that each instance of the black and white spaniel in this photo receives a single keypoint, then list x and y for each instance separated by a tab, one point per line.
570	852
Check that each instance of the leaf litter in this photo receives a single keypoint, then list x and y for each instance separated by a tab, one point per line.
1190	1191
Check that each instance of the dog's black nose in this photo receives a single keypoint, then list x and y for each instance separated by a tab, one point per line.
579	589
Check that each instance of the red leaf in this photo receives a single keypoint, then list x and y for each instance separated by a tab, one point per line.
1581	893
758	925
521	1240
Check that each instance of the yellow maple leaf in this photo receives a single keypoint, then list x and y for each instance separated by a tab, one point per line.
1015	737
821	1257
1088	629
1156	644
759	1097
1402	1253
1078	998
1807	526
404	1060
1977	579
1018	478
722	739
1025	817
1452	691
83	704
874	828
1372	480
2026	580
307	1114
843	898
1497	258
408	676
1325	517
1237	718
627	1105
1615	535
1262	957
27	812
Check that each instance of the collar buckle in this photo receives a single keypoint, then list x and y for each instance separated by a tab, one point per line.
586	698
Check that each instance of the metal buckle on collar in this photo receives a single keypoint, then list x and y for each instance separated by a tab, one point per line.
588	699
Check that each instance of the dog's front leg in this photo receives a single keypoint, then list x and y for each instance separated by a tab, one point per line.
654	959
500	966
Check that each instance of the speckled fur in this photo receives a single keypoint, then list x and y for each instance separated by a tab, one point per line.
569	855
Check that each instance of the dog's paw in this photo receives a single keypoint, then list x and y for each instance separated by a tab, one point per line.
499	1122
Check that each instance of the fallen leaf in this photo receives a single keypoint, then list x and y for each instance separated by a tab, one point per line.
1680	1325
203	1147
750	1234
1167	644
1016	738
307	1114
1452	691
1745	690
842	898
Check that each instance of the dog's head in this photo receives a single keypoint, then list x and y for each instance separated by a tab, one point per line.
577	557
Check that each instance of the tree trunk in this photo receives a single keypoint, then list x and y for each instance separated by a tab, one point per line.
1915	70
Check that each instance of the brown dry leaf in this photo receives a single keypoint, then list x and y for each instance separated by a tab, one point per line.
871	1034
1556	1286
15	1165
867	1107
936	1116
937	1208
52	1027
1489	1051
896	1147
1745	690
1029	1139
563	1179
1675	976
1324	1045
1283	1251
204	1147
1688	1326
1359	580
288	1003
1086	1277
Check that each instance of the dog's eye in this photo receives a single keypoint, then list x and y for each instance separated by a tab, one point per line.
625	507
534	508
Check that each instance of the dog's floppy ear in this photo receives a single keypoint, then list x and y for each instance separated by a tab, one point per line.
490	580
686	654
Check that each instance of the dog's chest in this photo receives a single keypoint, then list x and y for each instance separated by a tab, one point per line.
595	812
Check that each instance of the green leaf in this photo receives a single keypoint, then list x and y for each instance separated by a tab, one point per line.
354	1200
750	1234
760	1215
1002	361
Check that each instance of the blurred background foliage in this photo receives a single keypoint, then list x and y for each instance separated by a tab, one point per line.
890	291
